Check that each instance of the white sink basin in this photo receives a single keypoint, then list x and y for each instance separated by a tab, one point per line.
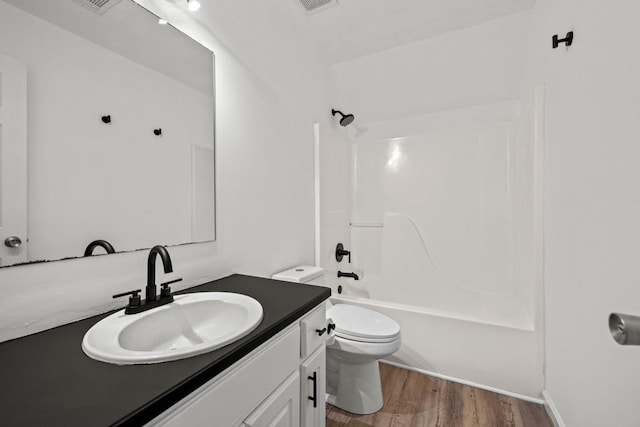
193	324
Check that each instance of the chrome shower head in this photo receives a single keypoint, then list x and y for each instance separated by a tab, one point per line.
346	119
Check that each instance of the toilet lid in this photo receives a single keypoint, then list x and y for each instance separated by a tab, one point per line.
357	322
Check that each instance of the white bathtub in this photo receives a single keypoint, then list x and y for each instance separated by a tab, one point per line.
499	358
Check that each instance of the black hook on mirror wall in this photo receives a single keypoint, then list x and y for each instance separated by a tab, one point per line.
106	119
157	132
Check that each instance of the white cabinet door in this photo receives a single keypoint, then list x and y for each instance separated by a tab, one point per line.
13	161
312	394
282	407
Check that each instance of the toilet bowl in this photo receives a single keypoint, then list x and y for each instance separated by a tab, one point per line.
362	337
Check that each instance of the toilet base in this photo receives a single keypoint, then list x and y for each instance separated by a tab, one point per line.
357	387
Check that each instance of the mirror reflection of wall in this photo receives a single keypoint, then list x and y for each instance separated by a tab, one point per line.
118	181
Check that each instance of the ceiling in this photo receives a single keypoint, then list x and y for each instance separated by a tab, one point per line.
355	28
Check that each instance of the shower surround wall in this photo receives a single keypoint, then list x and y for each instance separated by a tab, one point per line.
443	234
440	222
333	155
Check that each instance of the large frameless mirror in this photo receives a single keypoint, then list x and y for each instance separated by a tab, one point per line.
119	130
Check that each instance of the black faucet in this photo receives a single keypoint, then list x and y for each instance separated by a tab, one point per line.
151	297
99	243
354	276
150	290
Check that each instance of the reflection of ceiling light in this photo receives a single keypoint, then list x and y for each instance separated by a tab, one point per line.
193	5
395	156
162	22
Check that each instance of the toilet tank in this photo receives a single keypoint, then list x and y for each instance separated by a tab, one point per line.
301	274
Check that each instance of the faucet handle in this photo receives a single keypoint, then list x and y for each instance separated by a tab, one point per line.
134	299
166	289
341	252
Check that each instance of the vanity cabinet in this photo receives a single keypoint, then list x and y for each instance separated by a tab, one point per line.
281	383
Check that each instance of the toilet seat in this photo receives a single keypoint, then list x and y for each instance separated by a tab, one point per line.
361	350
368	340
363	325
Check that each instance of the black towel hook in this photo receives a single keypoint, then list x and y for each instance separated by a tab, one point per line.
568	40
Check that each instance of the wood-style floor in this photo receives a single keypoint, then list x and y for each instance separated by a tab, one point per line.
417	400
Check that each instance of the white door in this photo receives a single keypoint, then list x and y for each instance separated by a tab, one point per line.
282	407
13	161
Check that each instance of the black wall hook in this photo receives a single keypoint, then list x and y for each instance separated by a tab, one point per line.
106	119
157	132
568	40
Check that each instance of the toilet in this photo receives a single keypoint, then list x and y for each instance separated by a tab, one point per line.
362	337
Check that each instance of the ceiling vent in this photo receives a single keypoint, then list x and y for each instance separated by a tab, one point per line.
98	6
313	6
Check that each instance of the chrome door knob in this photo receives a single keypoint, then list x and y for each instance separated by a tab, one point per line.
12	242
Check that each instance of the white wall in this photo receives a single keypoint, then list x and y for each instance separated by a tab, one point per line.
592	205
269	91
478	65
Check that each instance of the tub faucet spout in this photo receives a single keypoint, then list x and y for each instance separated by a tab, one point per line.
354	276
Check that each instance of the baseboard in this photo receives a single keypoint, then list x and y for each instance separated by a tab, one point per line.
552	410
469	383
330	399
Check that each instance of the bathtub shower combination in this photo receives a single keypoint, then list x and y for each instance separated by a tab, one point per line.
445	232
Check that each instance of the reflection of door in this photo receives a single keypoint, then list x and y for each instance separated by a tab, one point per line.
13	161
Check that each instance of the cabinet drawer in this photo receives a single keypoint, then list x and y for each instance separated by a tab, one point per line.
310	324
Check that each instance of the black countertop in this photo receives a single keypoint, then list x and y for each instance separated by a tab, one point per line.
47	380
